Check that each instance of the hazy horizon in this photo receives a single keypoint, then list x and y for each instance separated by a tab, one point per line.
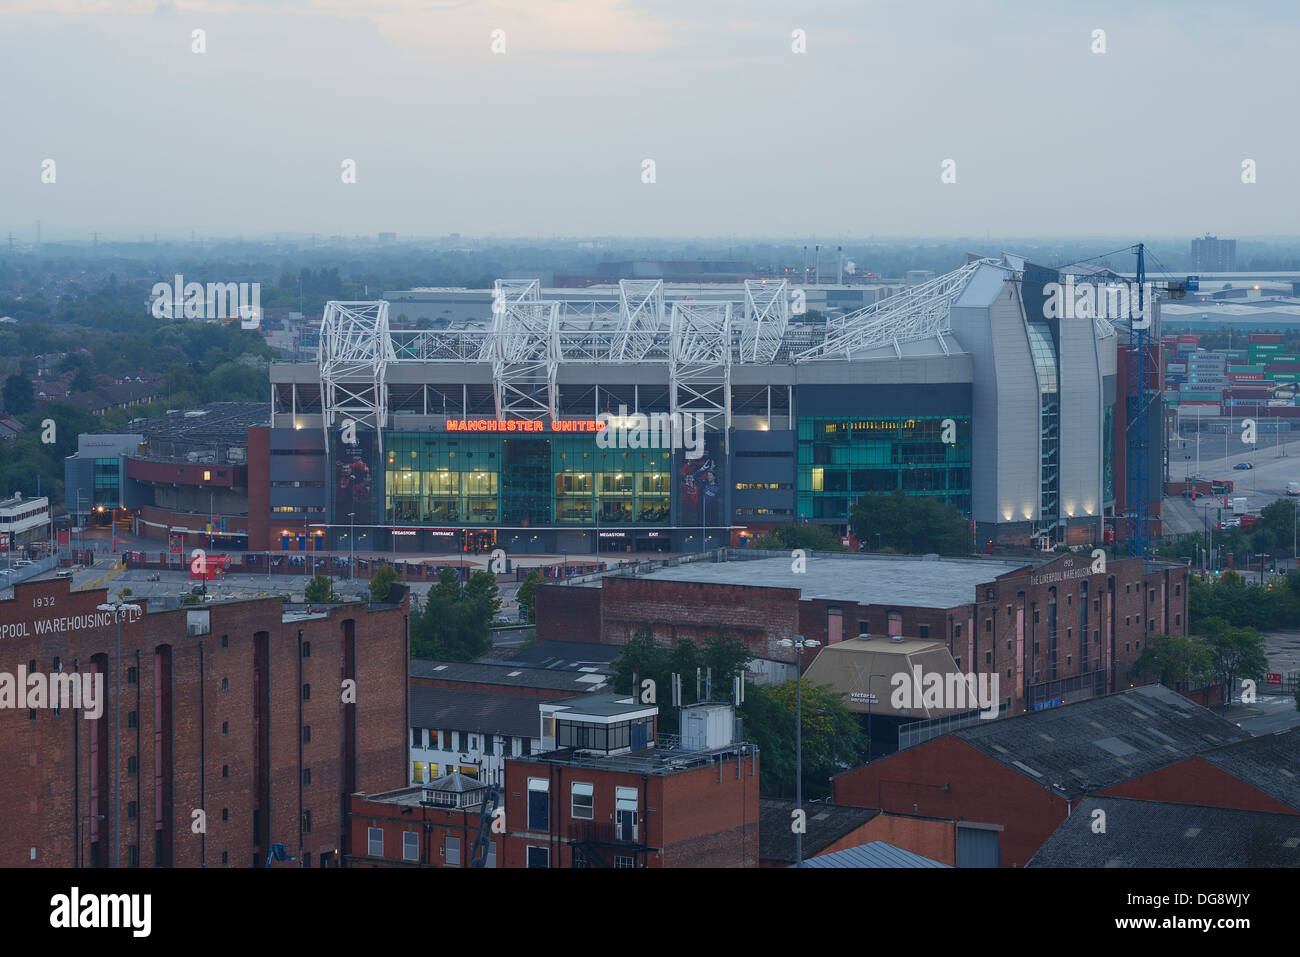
547	140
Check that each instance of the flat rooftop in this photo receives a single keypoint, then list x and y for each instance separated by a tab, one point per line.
482	672
865	579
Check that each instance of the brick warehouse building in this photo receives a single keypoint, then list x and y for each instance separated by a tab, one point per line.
1027	774
232	708
1054	631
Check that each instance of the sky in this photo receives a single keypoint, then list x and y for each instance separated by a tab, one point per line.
551	135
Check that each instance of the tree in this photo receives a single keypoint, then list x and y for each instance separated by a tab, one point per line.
526	597
18	394
483	595
833	739
81	382
818	538
1179	662
382	582
455	622
648	659
320	589
911	524
1234	653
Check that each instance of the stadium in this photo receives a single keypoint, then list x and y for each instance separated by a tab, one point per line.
484	432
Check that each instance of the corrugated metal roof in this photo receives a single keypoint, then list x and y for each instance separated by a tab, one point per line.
875	854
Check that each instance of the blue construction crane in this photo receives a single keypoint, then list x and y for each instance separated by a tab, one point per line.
1137	422
1140	397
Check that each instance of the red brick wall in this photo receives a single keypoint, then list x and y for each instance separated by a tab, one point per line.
674	611
365	813
53	792
711	819
1196	781
568	613
946	778
936	840
687	819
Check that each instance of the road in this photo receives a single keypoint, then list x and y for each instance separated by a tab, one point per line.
1274	466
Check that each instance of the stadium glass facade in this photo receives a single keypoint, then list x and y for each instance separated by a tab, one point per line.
841	458
451	480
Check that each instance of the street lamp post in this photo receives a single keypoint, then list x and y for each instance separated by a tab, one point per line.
117	608
352	544
798	643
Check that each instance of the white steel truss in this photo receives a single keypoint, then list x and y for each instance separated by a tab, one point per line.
525	350
529	338
919	312
699	374
588	332
641	321
352	358
767	312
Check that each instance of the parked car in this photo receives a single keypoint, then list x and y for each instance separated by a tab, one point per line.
1293	488
21	563
1243	465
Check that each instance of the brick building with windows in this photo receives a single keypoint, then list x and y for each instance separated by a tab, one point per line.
1054	630
433	825
605	790
238	709
609	792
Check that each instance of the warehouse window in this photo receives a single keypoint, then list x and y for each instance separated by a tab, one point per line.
410	846
539	857
583	801
539	804
453	852
375	841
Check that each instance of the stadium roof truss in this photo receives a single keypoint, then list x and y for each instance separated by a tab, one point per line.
700	367
353	357
525	350
641	320
767	312
919	312
529	338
